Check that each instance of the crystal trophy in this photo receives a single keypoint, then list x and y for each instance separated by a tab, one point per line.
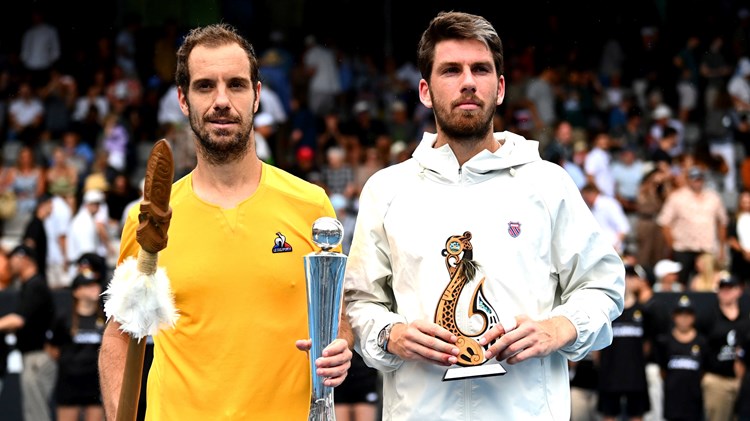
324	274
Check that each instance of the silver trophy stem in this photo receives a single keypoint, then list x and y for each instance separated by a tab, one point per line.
324	273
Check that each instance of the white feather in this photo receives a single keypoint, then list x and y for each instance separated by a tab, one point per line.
143	304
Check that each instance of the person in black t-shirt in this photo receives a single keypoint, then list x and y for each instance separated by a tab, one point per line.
730	323
79	337
742	363
622	365
35	235
682	355
31	323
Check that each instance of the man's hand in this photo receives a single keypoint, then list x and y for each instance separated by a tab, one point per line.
334	365
423	341
529	339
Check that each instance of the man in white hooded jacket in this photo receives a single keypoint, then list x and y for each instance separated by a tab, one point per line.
475	254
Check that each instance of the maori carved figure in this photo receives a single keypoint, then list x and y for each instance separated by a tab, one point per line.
458	254
155	213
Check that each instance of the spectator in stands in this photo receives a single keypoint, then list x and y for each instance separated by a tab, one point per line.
682	355
337	175
742	365
694	221
660	155
59	97
367	130
28	182
56	226
610	215
30	321
661	119
731	321
25	116
738	239
83	234
40	47
324	84
61	170
708	273
35	235
650	242
597	164
560	148
667	273
78	395
622	365
627	171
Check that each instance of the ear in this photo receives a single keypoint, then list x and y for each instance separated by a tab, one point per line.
424	93
500	90
256	103
182	97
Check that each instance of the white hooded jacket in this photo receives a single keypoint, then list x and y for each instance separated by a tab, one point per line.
539	251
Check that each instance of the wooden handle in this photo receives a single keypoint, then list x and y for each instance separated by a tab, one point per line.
130	393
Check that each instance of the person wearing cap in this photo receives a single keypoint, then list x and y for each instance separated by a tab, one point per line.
56	228
730	322
661	118
78	336
640	285
265	129
694	221
622	387
83	233
667	274
367	129
30	321
682	355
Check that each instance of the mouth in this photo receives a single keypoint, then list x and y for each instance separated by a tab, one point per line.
221	123
469	104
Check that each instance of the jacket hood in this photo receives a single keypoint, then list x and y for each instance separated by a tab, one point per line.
441	164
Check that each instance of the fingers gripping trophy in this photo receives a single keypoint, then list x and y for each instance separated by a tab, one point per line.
324	273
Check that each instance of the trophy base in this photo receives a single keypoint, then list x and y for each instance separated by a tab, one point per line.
322	409
485	370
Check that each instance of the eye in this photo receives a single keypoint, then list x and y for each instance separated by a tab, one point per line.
482	69
203	85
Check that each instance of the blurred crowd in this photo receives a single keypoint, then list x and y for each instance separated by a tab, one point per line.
656	137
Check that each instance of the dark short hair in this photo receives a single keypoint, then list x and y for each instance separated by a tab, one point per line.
460	26
214	35
24	251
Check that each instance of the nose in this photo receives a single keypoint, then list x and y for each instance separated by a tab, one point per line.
222	99
468	82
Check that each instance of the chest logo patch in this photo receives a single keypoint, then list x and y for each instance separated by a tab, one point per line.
280	245
514	229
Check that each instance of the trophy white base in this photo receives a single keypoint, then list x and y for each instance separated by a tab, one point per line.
485	370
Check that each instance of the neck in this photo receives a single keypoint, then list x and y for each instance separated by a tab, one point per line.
86	307
226	185
684	334
27	273
465	149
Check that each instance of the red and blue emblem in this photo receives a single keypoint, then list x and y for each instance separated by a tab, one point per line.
514	229
280	245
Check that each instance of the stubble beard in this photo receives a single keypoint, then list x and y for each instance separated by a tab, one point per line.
231	148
